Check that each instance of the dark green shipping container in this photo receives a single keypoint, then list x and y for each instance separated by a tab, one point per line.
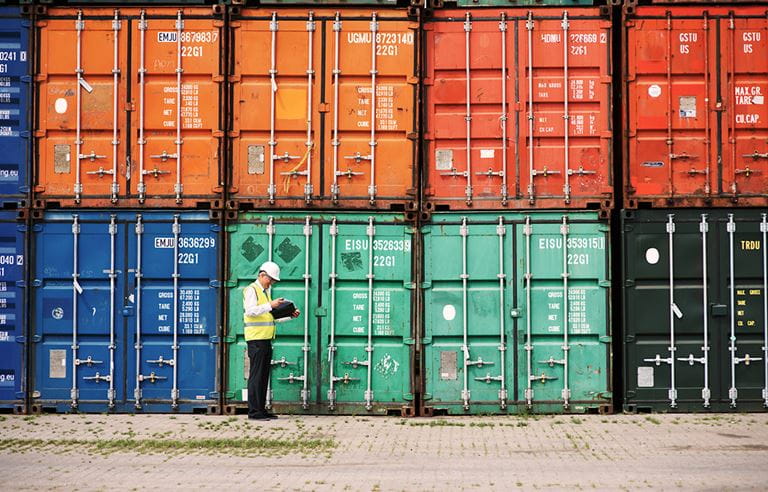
695	308
351	349
497	290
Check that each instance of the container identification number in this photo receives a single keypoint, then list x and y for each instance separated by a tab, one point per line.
378	245
188	37
185	242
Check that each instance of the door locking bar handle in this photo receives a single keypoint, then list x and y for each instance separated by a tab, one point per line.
348	173
480	362
544	172
281	362
152	378
355	363
154	172
101	172
164	156
693	172
490	173
756	155
658	360
682	155
691	359
543	378
488	378
345	379
454	172
98	377
747	359
552	361
580	171
92	156
160	361
285	157
747	172
291	378
88	361
357	157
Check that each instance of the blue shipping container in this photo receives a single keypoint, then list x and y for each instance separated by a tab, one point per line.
15	107
12	309
126	311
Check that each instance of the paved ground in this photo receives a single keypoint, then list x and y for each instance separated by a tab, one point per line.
100	452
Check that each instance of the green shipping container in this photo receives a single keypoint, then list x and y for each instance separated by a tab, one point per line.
497	289
695	310
351	349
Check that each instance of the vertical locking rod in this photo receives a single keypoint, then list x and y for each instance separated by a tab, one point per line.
566	393
528	232
332	345
672	308
142	187
272	92
79	26
335	142
179	70
115	82
670	139
468	113
371	231
501	232
566	124
139	233
305	348
74	393
706	393
270	238
310	74
464	231
503	118
112	275
372	143
175	346
732	392
531	171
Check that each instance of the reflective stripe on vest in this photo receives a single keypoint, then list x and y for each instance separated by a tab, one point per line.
261	327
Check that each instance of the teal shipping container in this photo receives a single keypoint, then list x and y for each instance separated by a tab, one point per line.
497	291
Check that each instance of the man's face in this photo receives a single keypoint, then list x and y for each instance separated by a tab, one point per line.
265	280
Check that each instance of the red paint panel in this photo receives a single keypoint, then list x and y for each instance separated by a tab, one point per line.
565	56
696	114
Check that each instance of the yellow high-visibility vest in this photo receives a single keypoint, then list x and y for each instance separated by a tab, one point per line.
261	327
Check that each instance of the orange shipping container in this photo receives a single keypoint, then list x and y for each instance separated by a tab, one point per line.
518	109
696	112
129	107
303	129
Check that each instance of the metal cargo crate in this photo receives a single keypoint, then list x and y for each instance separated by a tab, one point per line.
303	131
13	322
497	290
695	114
696	336
125	311
130	107
15	108
350	351
517	109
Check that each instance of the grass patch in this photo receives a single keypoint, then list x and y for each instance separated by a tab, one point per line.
437	423
246	446
653	420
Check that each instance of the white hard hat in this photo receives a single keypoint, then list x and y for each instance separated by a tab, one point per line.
271	269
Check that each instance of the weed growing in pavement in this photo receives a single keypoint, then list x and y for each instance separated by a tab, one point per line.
482	424
653	420
437	423
576	420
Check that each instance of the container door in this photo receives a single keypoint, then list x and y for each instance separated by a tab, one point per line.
82	89
176	92
77	259
277	62
469	276
12	311
564	277
671	112
293	243
564	87
367	296
373	109
175	295
742	287
14	106
744	49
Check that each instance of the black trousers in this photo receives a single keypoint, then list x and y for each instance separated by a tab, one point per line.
260	355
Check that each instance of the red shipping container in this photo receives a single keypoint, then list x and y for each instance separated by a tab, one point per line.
497	111
696	115
129	107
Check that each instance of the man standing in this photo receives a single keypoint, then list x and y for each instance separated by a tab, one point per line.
259	327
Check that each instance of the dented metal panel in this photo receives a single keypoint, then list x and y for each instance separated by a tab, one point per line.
129	109
494	308
695	310
696	113
125	311
501	129
350	350
302	129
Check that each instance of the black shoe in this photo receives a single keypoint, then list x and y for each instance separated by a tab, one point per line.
272	416
259	417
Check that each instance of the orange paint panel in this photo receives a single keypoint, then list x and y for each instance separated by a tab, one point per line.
561	86
285	120
154	165
696	115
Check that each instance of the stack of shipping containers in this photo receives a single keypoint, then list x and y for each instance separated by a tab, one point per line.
516	193
694	220
126	208
323	179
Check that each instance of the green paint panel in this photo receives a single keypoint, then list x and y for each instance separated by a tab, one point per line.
336	312
500	300
704	380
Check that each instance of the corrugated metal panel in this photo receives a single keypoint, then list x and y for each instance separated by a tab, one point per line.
109	79
314	139
696	117
495	305
350	351
695	309
501	129
13	322
15	106
125	311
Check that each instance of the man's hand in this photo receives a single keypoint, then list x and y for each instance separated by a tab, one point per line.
276	302
296	314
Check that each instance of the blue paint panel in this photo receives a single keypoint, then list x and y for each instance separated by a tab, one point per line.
12	309
15	103
176	287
